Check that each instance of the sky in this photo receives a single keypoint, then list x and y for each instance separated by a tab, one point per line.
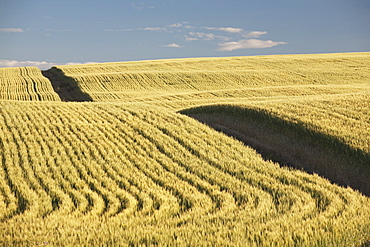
45	33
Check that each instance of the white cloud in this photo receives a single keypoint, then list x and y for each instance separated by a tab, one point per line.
59	30
187	38
175	25
157	29
14	63
77	63
254	34
226	29
119	30
248	44
40	64
141	6
205	36
173	45
231	29
11	30
153	29
231	38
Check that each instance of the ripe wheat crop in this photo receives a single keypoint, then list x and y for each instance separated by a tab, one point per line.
305	131
130	170
93	173
26	83
212	78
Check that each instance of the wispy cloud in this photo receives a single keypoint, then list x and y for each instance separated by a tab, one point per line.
141	6
157	29
11	30
77	63
173	45
187	38
254	34
175	25
14	63
226	29
59	30
238	31
228	38
119	30
206	36
40	64
200	35
248	44
152	29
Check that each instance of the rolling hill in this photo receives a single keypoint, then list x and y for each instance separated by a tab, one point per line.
133	167
25	83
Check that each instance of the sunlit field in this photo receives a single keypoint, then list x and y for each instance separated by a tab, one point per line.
226	79
25	83
165	153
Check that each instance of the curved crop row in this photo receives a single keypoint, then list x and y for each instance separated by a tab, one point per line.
93	173
328	136
346	116
118	81
25	83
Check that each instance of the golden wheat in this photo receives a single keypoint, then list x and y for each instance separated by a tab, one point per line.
26	83
134	172
93	173
230	77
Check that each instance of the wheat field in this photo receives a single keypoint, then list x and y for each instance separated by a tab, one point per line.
215	78
134	168
25	83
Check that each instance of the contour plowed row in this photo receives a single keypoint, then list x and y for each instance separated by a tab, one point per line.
26	83
134	175
327	135
344	116
117	81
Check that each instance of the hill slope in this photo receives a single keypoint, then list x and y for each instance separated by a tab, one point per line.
134	171
210	78
93	173
25	84
328	135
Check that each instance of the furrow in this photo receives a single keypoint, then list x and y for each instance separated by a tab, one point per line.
24	189
95	174
115	160
181	169
61	173
145	145
9	201
281	199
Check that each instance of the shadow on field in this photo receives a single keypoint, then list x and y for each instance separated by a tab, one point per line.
66	87
367	244
290	144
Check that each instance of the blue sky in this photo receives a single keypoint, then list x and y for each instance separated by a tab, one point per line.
44	33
